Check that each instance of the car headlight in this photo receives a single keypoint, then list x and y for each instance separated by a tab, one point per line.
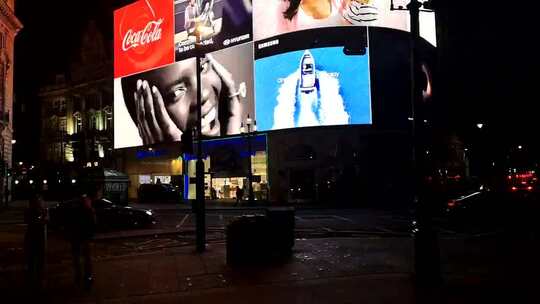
148	212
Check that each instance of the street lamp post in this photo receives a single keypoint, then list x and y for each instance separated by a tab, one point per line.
200	205
250	127
427	265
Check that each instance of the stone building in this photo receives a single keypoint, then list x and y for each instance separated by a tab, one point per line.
76	108
9	27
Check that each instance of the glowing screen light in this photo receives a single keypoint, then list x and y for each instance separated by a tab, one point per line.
276	17
315	87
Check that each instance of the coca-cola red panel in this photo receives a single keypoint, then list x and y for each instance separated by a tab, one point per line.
143	36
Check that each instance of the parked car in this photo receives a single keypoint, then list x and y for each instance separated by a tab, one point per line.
109	216
159	193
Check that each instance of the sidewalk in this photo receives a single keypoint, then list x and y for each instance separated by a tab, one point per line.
320	271
325	270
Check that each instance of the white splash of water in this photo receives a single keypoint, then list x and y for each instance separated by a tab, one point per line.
324	106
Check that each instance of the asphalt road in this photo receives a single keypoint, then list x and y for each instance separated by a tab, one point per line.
175	227
324	220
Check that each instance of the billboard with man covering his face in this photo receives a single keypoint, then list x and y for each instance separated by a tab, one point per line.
295	63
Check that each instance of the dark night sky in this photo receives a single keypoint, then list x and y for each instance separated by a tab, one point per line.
487	61
49	39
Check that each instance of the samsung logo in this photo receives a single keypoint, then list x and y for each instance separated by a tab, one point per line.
268	44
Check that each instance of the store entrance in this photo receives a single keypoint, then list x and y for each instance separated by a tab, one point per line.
224	188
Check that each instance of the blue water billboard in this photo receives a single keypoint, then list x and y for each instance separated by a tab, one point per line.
315	87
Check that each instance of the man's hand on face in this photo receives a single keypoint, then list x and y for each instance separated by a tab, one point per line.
153	121
229	89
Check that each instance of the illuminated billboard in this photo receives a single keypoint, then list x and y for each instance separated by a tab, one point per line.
157	106
308	81
143	36
275	17
285	63
216	24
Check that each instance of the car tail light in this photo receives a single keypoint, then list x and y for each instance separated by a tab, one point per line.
514	188
451	203
530	188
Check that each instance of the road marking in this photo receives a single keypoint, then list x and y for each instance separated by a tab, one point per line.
384	229
343	218
182	221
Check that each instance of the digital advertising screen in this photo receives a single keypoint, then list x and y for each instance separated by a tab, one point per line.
157	106
285	63
143	36
275	17
216	24
322	85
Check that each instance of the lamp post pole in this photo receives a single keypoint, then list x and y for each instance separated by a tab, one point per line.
251	127
200	206
427	259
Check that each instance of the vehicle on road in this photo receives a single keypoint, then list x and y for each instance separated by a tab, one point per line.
109	216
523	182
471	200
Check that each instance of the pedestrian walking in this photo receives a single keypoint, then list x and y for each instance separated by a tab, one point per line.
239	195
35	241
82	226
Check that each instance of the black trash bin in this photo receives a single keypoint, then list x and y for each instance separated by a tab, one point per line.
247	239
261	238
282	223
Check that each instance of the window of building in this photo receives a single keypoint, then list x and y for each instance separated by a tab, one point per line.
100	151
108	118
92	120
69	153
62	124
92	101
145	179
78	123
53	124
61	105
99	121
3	42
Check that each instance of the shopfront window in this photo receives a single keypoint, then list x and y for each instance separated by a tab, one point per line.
222	186
145	179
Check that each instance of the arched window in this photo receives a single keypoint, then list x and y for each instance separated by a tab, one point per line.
77	122
53	123
108	124
92	119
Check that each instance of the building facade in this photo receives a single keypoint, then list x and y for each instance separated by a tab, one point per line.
9	27
76	109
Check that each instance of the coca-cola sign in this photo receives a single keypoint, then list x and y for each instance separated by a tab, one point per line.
150	33
143	36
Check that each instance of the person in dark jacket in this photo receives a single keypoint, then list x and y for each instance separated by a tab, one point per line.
239	195
35	241
81	230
